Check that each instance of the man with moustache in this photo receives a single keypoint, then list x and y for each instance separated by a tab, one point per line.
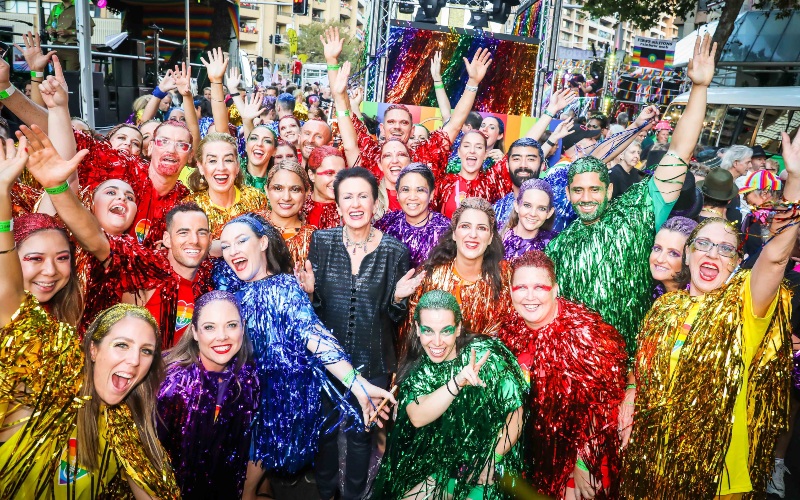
314	133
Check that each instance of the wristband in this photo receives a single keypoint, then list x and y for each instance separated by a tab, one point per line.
548	113
350	377
447	386
58	189
159	94
37	74
550	143
342	114
630	386
438	85
3	252
5	94
471	88
36	81
581	465
334	67
498	457
6	226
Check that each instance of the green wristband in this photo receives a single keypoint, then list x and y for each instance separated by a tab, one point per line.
630	386
342	114
498	457
6	226
438	85
350	377
58	189
581	465
334	67
548	113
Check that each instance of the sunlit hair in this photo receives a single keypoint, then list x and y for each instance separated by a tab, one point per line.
182	208
474	131
355	173
141	400
187	350
684	276
537	259
291	166
196	180
444	253
402	107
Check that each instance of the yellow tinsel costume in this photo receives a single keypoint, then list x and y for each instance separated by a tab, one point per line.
248	199
298	242
45	357
685	442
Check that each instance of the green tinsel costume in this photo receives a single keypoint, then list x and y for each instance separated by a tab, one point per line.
454	449
605	265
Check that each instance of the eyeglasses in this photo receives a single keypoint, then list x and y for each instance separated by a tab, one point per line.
705	246
163	142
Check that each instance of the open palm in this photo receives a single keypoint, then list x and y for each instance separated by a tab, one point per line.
12	161
701	65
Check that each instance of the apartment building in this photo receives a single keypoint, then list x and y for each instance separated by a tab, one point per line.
259	22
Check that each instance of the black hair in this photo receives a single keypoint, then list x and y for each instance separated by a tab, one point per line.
355	173
413	349
474	120
417	168
189	206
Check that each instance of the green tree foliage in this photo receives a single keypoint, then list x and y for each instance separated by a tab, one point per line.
308	42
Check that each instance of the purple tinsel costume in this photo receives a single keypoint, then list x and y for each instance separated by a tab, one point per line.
516	246
419	240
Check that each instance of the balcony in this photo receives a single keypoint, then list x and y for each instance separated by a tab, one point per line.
362	3
249	11
345	11
248	36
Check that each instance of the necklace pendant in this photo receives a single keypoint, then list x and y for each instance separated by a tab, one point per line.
354	250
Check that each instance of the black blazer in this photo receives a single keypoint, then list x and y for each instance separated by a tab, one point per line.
359	309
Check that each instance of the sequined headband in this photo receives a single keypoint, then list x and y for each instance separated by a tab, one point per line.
27	224
438	299
255	223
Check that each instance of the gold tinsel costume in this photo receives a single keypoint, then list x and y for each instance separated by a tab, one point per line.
683	427
45	357
298	242
248	199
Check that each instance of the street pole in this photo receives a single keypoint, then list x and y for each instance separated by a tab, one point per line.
188	34
83	24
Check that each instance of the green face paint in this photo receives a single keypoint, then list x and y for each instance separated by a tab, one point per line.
438	299
588	217
446	331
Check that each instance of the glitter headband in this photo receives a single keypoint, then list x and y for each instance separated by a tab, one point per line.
111	316
274	135
538	184
438	299
27	224
214	296
254	222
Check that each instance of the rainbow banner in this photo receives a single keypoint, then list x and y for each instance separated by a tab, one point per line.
653	53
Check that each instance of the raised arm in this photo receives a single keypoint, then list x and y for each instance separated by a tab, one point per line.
167	83
563	129
346	129
768	270
15	100
12	290
476	69
332	45
559	100
671	171
438	87
37	62
216	66
613	147
51	171
183	82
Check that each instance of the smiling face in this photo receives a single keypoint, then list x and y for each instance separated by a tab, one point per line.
122	359
188	239
396	124
219	166
666	256
589	196
244	251
260	147
437	332
289	131
219	334
472	153
286	194
45	260
524	162
356	203
169	158
414	195
490	127
533	295
534	209
114	205
418	136
147	131
473	234
394	157
323	178
710	269
127	139
314	133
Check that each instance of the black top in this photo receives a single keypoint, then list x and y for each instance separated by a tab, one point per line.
359	309
622	180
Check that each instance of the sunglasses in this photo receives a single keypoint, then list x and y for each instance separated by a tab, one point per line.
165	143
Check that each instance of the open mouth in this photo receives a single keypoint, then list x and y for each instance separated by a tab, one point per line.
587	208
286	206
356	215
436	352
221	349
660	269
395	171
221	179
239	264
471	245
118	209
45	286
471	160
122	380
191	252
531	307
708	271
413	206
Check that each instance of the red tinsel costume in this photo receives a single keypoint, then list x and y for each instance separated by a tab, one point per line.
577	367
491	185
321	215
104	163
435	152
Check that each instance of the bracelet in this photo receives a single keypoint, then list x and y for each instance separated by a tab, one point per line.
58	189
36	81
5	94
447	385
471	88
37	74
628	403
581	465
342	114
548	113
6	226
350	377
498	457
216	83
438	85
159	94
630	386
334	67
218	100
550	143
2	252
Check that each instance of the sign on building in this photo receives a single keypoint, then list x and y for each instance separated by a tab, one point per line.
653	53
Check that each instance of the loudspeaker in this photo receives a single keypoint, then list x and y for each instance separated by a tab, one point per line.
129	72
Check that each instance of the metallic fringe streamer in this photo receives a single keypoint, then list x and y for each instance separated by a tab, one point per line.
419	240
250	200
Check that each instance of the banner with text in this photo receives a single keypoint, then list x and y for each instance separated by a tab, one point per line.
653	53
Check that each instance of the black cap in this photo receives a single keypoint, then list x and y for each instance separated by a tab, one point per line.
758	152
578	135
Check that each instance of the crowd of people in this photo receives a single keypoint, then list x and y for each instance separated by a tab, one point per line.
250	286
